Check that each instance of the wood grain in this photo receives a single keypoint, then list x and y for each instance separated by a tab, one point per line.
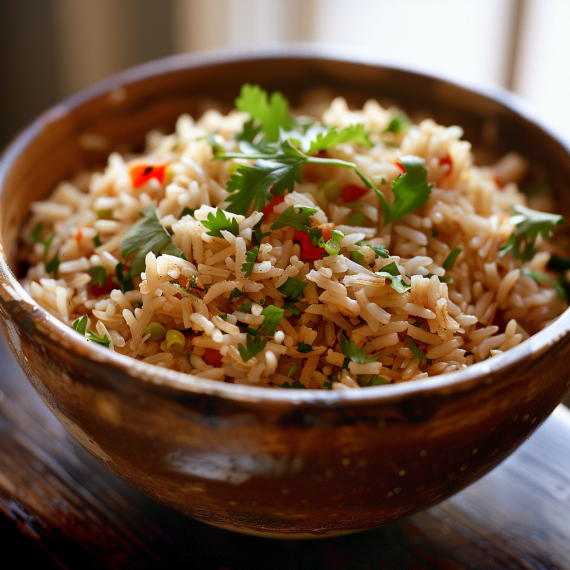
61	508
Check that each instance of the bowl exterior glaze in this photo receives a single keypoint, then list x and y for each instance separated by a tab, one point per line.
280	463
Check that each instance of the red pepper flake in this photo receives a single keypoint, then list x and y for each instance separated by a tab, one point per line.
401	166
352	193
271	206
78	235
308	251
497	181
213	357
104	289
142	172
446	160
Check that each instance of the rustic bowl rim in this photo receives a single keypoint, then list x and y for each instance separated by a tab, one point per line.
52	329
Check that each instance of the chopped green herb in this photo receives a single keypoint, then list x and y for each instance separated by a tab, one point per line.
357	256
559	263
218	222
379	250
187	212
105	341
271	318
297	385
223	316
528	225
254	345
358	219
399	123
329	382
36	235
98	275
97	240
258	235
304	347
250	259
124	280
53	265
417	352
392	273
80	324
47	245
433	233
292	308
292	288
355	354
417	324
450	259
235	294
145	236
333	245
558	284
298	217
411	191
292	371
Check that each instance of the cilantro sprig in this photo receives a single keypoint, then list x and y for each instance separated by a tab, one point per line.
250	259
392	273
350	350
254	345
298	217
528	225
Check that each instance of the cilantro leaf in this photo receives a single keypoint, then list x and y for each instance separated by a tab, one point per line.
272	112
98	275
355	354
292	288
410	190
293	384
216	223
271	318
392	273
254	345
399	123
123	278
329	382
292	371
417	352
450	259
145	236
292	308
558	284
97	240
528	225
379	250
298	217
304	348
250	259
330	137
53	265
235	294
36	235
80	324
105	341
258	235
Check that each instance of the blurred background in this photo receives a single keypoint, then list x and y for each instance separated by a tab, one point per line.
52	48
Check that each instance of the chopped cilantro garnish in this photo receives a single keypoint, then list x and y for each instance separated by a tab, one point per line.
223	316
298	217
218	222
80	324
47	245
297	385
53	265
246	307
187	212
379	250
329	382
36	235
292	288
254	345
98	275
235	294
271	318
417	352
292	308
145	236
528	224
410	190
559	263
105	341
250	259
97	240
123	278
398	124
559	284
292	371
392	273
355	354
258	235
320	137
304	347
450	259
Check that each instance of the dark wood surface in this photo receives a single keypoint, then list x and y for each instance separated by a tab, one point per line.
60	508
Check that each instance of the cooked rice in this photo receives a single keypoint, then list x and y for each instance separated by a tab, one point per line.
487	306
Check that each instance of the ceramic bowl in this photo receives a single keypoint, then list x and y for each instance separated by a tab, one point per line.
287	463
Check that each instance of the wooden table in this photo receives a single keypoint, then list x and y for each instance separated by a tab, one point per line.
60	508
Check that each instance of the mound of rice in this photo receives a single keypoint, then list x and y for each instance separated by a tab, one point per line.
289	313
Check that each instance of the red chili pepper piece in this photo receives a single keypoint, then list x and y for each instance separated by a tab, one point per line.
446	160
141	173
104	289
352	193
308	251
213	357
401	166
271	206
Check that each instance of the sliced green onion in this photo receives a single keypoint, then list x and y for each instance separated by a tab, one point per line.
331	191
358	219
450	259
104	213
155	330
